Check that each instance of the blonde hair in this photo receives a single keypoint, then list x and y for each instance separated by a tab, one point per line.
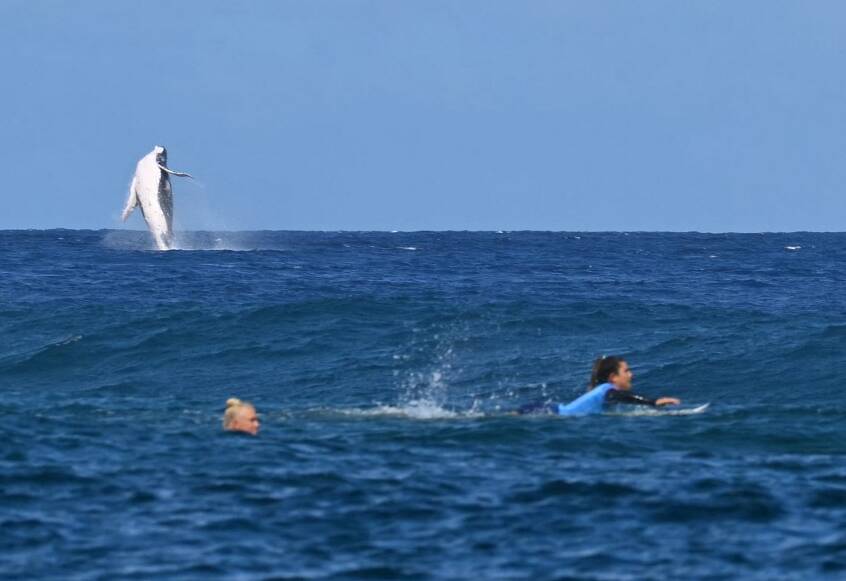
233	406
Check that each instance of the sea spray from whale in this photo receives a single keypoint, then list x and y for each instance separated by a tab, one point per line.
151	190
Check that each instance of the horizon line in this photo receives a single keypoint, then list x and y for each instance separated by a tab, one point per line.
446	231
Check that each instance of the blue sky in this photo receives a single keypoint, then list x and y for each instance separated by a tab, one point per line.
480	115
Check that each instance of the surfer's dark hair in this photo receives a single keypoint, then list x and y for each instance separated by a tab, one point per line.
603	367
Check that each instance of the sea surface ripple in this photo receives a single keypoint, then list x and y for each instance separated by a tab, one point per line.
384	366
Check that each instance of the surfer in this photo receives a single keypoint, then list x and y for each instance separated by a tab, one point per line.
240	416
610	383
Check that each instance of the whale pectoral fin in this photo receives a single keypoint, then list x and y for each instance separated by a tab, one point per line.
131	201
175	173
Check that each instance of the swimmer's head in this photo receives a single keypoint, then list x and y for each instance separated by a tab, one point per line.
240	416
611	369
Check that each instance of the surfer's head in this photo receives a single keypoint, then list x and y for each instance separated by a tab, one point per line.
240	416
611	369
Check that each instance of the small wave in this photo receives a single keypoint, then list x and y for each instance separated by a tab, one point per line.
829	498
220	241
793	248
602	491
744	503
36	357
127	240
407	247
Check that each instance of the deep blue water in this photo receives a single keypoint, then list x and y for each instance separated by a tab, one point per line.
382	365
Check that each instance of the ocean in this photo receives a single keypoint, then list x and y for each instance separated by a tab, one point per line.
384	366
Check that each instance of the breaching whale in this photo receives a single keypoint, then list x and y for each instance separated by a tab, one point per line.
151	190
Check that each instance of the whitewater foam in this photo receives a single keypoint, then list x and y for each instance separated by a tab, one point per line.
415	410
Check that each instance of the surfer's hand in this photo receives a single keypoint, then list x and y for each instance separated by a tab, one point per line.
662	401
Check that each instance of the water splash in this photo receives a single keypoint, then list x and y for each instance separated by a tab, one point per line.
416	410
138	240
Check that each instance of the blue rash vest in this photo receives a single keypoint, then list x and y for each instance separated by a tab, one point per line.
589	403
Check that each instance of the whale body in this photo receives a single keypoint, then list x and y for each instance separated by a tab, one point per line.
151	190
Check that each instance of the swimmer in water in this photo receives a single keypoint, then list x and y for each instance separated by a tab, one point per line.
240	416
611	383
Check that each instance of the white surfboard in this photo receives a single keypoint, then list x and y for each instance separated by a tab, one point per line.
668	411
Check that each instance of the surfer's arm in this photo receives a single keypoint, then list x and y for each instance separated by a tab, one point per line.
627	397
667	401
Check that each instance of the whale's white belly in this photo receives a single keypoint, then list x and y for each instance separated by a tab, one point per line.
152	186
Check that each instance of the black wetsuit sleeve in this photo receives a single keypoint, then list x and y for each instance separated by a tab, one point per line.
620	396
